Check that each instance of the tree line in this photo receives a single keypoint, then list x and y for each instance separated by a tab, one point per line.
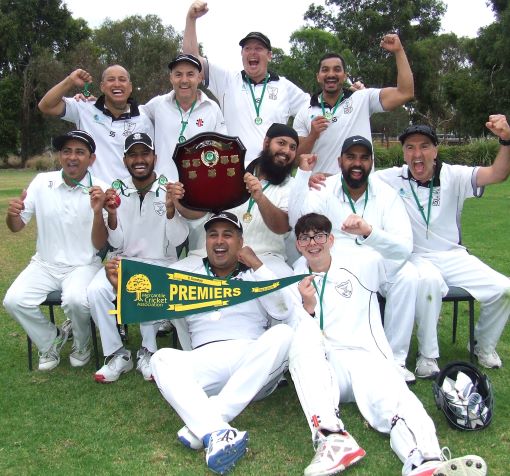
458	81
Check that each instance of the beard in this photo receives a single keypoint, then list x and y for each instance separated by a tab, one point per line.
275	174
144	177
354	183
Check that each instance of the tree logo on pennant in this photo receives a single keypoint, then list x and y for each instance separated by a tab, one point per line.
138	284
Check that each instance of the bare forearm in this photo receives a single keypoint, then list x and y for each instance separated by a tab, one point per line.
392	98
275	218
14	223
52	103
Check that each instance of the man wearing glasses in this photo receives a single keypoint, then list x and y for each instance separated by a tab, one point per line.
340	354
368	220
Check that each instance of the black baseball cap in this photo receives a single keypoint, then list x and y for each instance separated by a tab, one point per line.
256	35
59	142
224	216
356	140
282	130
419	129
185	58
138	138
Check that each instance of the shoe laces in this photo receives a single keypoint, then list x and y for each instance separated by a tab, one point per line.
51	353
446	454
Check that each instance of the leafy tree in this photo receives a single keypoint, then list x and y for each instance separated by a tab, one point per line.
29	29
144	46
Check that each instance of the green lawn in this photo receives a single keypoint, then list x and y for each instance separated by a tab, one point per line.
63	422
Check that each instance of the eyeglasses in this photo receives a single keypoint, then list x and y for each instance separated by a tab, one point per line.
319	238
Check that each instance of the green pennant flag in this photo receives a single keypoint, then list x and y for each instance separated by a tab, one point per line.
147	292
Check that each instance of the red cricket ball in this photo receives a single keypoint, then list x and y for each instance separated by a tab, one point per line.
117	201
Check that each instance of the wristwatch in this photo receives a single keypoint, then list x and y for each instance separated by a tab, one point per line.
504	142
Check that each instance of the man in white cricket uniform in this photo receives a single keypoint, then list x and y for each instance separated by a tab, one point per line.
264	215
367	217
433	194
229	356
340	354
182	113
65	257
252	99
109	119
144	227
336	113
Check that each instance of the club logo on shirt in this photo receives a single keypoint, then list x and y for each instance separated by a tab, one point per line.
129	128
347	106
272	93
200	122
160	208
50	184
344	288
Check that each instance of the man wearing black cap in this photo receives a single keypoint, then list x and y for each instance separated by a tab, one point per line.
264	215
368	219
337	112
65	258
143	227
229	357
252	99
433	193
109	119
182	113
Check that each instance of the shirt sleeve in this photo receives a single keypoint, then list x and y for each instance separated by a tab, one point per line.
30	200
176	229
72	111
302	200
297	98
302	123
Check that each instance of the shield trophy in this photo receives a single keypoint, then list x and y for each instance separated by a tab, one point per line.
211	168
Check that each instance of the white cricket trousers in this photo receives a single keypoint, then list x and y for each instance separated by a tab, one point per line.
209	386
101	295
490	288
323	377
30	289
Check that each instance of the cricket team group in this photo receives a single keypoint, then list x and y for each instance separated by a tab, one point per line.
353	231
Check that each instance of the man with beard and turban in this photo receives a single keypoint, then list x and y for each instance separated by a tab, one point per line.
367	219
264	215
143	226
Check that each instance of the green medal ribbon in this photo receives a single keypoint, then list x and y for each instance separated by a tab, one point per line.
330	115
184	123
321	296
85	188
258	104
248	216
351	203
86	91
426	219
126	191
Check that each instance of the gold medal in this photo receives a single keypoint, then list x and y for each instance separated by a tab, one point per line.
247	217
258	120
328	116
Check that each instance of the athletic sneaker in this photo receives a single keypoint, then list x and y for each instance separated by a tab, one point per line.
407	374
188	439
144	363
165	327
225	449
487	358
470	465
79	357
51	358
114	366
68	327
426	367
335	453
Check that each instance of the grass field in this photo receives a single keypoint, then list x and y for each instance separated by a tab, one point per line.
64	423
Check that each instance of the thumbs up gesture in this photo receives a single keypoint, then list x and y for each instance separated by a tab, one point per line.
17	205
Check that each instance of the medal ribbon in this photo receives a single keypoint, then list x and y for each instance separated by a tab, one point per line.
212	275
126	191
85	188
335	107
259	104
184	123
351	203
426	219
321	296
251	201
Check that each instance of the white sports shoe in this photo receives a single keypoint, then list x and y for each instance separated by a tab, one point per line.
470	465
225	449
335	453
426	367
144	363
51	358
407	374
114	366
188	439
79	357
165	327
487	358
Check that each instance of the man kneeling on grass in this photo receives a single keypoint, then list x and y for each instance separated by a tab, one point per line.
340	354
230	356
